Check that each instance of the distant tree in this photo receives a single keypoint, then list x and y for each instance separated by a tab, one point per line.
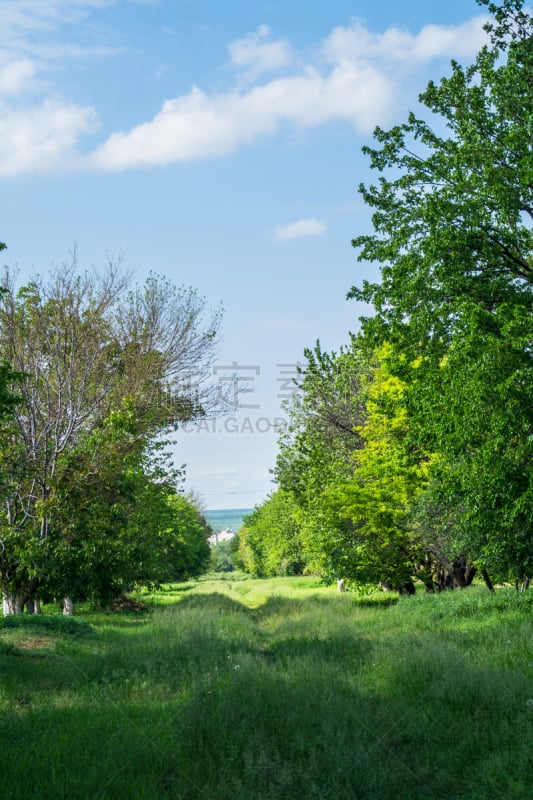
269	538
105	370
222	557
318	446
185	550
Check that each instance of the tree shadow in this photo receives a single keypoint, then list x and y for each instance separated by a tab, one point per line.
214	601
216	700
175	589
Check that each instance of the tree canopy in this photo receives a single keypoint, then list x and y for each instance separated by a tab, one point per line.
432	475
453	235
104	372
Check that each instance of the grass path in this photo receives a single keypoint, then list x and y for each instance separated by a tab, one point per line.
272	690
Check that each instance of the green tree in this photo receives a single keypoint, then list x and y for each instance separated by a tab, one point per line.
384	542
95	359
453	230
184	550
317	447
269	538
479	502
118	526
453	235
222	557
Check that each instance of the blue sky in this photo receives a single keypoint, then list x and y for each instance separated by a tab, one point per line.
218	144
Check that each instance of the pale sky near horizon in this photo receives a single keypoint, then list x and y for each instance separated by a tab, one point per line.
218	144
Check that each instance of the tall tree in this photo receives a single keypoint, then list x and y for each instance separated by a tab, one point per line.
452	230
453	235
316	449
88	349
375	501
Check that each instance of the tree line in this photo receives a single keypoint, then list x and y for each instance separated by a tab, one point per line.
95	375
409	453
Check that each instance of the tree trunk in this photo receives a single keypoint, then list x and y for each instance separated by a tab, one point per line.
470	574
406	588
11	604
341	587
488	582
68	607
456	575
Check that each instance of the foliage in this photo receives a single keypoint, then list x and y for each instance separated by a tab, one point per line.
321	435
222	559
104	372
269	538
484	483
453	235
445	364
123	525
9	399
184	551
316	450
384	541
452	231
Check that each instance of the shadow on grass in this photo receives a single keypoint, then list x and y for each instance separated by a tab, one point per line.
56	623
214	601
214	701
384	601
304	729
344	649
118	619
174	589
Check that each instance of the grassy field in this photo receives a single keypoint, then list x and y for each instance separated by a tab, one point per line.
271	690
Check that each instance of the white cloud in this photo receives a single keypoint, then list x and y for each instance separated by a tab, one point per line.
198	125
42	138
301	228
63	51
33	40
23	17
16	76
256	55
433	41
361	87
358	79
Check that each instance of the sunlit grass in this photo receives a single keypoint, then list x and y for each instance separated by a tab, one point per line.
239	688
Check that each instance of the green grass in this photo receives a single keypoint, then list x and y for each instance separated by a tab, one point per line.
237	688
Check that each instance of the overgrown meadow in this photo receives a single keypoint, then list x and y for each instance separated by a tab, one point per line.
241	688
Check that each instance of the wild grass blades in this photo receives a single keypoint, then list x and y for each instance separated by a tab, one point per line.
285	691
